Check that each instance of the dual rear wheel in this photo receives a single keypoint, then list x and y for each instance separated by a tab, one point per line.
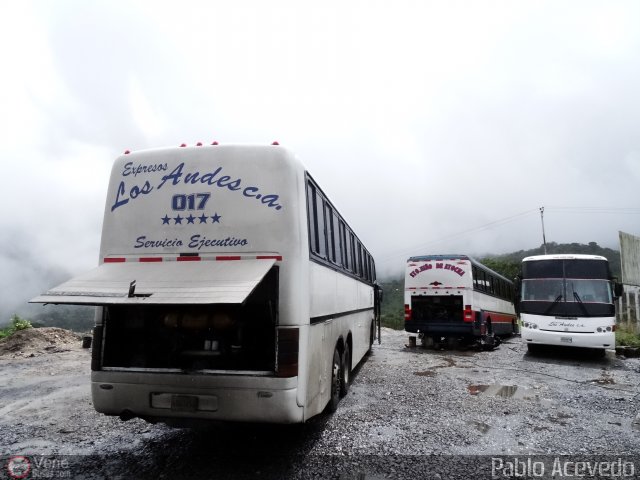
340	377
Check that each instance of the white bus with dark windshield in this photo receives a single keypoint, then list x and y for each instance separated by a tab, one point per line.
567	300
229	287
456	299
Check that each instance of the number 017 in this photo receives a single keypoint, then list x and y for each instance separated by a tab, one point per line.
194	201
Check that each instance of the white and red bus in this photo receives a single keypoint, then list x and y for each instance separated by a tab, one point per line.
454	297
229	287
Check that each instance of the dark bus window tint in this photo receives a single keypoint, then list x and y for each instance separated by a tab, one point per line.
487	283
367	276
343	246
328	221
322	230
482	283
542	269
312	218
586	269
360	270
335	228
352	253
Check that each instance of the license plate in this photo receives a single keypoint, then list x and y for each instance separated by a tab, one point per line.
566	339
184	403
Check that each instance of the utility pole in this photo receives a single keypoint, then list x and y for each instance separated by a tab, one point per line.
544	240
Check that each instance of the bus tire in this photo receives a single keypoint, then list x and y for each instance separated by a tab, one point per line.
371	336
489	327
345	378
336	380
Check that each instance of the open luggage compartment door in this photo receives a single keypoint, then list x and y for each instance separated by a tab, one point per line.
162	282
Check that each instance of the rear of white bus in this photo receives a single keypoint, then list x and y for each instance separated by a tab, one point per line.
439	297
567	300
198	256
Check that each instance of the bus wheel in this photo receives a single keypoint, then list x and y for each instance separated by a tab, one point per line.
533	348
371	337
336	381
345	378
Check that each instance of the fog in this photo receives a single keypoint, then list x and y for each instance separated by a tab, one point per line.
434	127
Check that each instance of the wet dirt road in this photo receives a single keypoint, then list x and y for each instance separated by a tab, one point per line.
408	410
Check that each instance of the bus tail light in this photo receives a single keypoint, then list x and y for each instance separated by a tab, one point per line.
288	343
468	313
407	313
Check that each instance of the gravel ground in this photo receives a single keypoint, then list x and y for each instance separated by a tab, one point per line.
410	413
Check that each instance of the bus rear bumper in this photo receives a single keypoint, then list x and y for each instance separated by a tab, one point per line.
606	340
440	329
178	399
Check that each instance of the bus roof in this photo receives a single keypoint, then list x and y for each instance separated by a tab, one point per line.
474	262
422	258
564	256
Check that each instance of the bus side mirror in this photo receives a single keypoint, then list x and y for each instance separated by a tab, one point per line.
618	289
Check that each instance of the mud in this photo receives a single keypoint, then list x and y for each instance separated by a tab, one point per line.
407	411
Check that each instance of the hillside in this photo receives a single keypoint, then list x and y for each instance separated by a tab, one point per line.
80	319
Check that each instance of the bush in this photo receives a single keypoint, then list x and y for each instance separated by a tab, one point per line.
17	323
626	337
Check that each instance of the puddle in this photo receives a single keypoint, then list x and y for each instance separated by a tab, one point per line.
605	379
426	373
480	426
504	391
561	418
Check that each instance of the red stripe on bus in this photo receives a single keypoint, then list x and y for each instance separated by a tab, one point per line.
150	259
115	260
500	318
188	259
277	258
228	258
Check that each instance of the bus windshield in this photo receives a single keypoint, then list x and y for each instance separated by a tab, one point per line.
566	287
566	290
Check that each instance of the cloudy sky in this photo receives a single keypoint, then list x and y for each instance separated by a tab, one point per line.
434	126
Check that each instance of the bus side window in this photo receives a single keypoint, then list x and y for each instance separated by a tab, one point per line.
367	266
335	228
312	218
322	229
343	247
482	283
352	254
328	221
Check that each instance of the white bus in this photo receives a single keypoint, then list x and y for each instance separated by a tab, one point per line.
567	300
228	288
455	298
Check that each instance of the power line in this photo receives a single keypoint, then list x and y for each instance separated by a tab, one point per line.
486	226
607	210
558	209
